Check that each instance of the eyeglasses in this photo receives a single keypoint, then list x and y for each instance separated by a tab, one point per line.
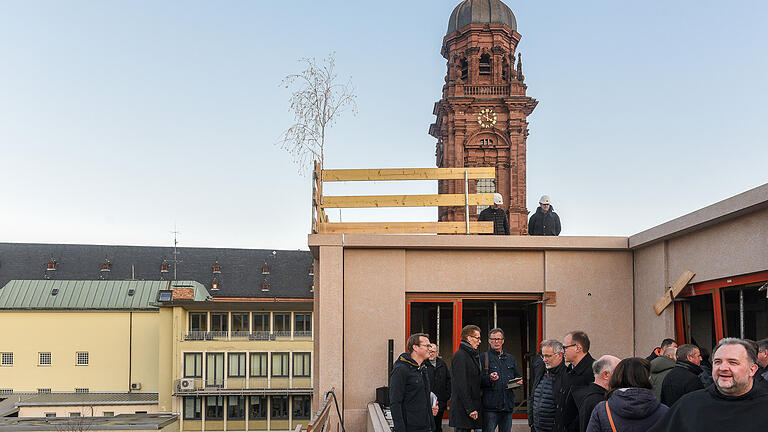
546	356
474	337
568	346
496	339
425	345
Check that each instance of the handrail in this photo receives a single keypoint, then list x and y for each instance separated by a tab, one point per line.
321	419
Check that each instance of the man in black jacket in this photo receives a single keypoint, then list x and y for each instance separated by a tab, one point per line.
464	414
439	383
500	378
588	397
576	351
497	215
544	222
684	377
410	403
546	386
737	401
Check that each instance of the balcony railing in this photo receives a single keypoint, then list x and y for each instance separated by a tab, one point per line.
486	90
242	384
243	335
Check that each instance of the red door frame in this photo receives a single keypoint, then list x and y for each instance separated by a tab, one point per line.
713	287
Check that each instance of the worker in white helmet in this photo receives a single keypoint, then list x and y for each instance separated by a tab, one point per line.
497	215
545	222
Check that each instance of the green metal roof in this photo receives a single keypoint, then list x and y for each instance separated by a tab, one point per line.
90	294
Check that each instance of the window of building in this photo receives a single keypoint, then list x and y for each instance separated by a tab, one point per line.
5	391
301	364
259	364
279	407
219	321
240	322
745	307
43	390
50	414
74	414
193	408
82	390
6	359
139	412
214	370
302	325
282	323
464	66
261	322
258	408
198	321
44	359
265	286
301	407
165	296
235	407
193	365
485	186
236	365
214	407
82	358
280	364
485	64
108	414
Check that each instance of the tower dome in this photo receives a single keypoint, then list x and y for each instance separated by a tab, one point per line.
481	12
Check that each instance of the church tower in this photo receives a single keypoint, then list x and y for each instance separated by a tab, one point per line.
482	116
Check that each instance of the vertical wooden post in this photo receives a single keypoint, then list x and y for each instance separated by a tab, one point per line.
466	198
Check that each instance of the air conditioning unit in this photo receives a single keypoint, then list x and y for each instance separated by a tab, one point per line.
186	384
135	386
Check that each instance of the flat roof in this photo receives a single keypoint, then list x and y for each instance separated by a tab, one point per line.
60	399
118	422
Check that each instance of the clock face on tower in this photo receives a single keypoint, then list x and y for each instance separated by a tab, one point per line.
486	118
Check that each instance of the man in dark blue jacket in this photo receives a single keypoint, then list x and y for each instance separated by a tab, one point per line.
500	378
412	409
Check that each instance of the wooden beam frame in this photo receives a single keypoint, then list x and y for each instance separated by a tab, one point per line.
368	201
405	228
673	292
408	174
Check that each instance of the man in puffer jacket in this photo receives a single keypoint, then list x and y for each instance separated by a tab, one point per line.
631	404
547	385
410	403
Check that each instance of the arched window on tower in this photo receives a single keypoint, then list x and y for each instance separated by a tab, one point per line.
485	64
505	70
485	186
464	69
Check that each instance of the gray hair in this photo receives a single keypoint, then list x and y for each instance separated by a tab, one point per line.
751	351
557	347
496	330
683	351
762	344
603	364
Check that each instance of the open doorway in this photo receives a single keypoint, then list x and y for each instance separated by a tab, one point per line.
518	315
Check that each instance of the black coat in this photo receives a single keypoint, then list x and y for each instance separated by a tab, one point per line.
465	388
579	376
496	395
544	400
439	381
544	224
586	399
498	217
409	396
538	368
682	379
632	410
710	410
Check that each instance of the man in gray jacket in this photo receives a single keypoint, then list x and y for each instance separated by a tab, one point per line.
660	367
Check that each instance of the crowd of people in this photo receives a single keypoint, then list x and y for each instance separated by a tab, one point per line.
675	389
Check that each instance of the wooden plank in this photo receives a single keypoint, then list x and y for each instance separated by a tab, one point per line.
365	201
673	292
408	174
405	227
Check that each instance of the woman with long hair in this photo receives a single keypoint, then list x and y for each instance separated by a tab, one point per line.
631	405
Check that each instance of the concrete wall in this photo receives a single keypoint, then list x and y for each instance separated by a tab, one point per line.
592	278
728	248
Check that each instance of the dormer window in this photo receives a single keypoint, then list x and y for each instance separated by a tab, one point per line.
54	291
131	292
312	270
165	296
265	286
165	267
214	286
216	268
265	269
485	64
106	266
51	266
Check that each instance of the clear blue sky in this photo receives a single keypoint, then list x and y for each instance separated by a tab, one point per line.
119	119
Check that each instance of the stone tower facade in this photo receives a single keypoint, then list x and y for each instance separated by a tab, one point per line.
482	116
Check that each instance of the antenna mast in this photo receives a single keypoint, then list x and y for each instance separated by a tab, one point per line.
176	253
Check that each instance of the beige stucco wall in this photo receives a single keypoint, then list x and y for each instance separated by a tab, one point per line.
104	335
369	301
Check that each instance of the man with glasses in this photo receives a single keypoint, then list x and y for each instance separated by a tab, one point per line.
409	396
500	378
579	374
546	386
464	412
544	222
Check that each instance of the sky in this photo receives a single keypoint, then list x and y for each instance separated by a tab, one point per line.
120	120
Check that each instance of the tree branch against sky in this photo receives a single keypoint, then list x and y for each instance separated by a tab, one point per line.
317	102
